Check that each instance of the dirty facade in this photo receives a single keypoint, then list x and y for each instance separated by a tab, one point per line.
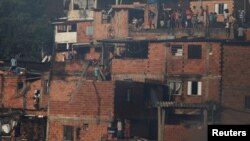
157	79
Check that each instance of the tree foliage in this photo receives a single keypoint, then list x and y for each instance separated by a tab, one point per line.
24	29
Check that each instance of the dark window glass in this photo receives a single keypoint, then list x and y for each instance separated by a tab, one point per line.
68	133
247	102
194	88
194	52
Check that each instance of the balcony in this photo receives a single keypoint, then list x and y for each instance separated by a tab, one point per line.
216	32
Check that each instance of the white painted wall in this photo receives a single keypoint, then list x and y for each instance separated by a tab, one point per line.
62	37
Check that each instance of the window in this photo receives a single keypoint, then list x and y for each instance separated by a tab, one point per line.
20	85
176	50
247	102
132	50
72	27
61	46
89	30
128	94
220	7
106	18
194	87
61	28
194	52
175	88
68	133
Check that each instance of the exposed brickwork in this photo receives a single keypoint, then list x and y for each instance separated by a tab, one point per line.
208	64
210	92
207	70
156	55
211	6
248	34
1	88
91	99
82	36
140	69
93	132
101	29
128	66
12	96
235	83
121	23
172	132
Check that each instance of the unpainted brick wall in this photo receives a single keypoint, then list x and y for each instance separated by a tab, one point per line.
95	131
207	70
210	92
90	99
120	23
12	97
211	6
235	83
172	132
100	29
1	88
208	64
82	30
154	64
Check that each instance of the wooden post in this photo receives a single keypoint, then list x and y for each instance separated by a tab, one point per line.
159	123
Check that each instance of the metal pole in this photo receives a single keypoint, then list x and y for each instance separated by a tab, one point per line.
205	121
159	123
162	124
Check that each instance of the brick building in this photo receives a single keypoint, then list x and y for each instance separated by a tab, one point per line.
23	102
158	81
